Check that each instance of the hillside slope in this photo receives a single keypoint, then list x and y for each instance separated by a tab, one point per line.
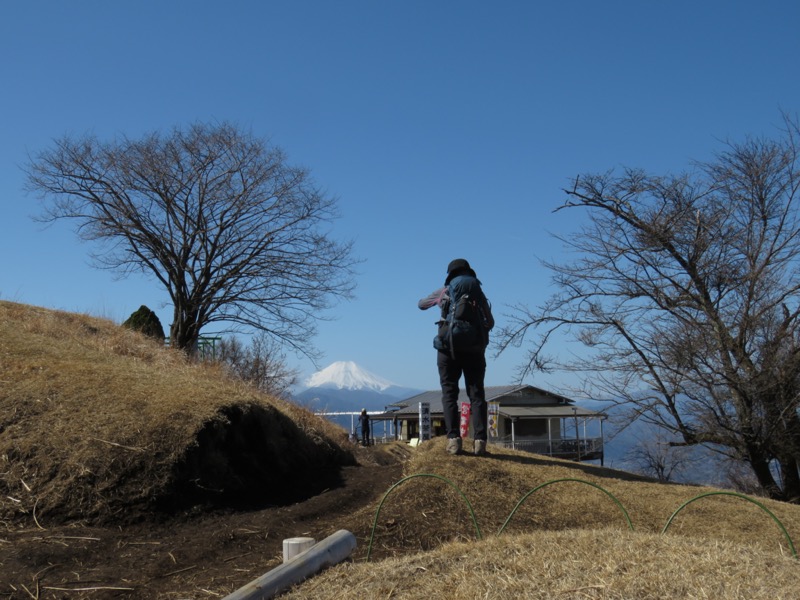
126	472
545	528
98	422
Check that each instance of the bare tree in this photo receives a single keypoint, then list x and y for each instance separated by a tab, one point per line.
232	232
686	295
738	476
657	457
261	363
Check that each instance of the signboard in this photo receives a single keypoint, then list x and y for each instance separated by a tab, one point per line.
424	421
465	413
494	415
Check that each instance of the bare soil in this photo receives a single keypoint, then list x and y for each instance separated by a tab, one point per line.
197	554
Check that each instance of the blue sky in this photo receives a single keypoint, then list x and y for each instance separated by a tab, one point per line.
446	129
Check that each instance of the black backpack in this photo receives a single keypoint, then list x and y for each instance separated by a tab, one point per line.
461	329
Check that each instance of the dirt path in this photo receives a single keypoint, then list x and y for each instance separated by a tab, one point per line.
201	555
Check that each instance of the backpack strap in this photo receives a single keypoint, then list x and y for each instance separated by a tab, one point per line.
450	321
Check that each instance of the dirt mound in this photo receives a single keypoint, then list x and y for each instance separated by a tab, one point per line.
100	423
253	456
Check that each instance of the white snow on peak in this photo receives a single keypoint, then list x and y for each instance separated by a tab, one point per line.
347	375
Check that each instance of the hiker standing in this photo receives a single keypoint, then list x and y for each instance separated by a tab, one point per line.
466	319
363	422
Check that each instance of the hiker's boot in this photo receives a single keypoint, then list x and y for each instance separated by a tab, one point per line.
480	447
454	445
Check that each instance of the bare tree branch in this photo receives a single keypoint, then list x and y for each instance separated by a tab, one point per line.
685	294
218	217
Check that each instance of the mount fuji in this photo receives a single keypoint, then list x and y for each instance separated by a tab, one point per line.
348	375
346	387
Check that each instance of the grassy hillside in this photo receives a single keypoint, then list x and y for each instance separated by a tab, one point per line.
102	426
98	422
569	539
567	565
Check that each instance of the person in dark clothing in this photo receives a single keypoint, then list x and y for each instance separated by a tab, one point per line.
363	422
462	279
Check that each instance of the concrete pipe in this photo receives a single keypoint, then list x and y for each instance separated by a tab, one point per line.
330	551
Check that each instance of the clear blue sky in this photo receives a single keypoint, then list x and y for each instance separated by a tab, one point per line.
445	128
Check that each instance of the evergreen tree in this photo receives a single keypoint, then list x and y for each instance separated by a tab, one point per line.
145	321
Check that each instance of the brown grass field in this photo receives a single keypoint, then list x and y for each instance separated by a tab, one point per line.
128	472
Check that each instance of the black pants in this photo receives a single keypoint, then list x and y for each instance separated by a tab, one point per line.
473	366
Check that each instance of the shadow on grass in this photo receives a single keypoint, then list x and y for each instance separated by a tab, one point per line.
544	461
250	457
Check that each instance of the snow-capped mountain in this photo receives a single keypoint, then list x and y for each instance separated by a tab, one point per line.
345	386
348	375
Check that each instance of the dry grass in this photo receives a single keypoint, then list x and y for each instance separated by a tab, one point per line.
96	419
97	422
567	540
422	513
569	565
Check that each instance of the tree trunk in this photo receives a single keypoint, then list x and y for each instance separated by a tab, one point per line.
791	480
760	465
785	447
184	332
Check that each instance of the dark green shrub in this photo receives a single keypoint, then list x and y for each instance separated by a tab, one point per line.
145	321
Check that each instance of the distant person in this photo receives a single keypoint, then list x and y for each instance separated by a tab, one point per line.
466	319
363	422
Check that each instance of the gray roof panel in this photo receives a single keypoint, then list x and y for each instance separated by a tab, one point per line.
512	398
